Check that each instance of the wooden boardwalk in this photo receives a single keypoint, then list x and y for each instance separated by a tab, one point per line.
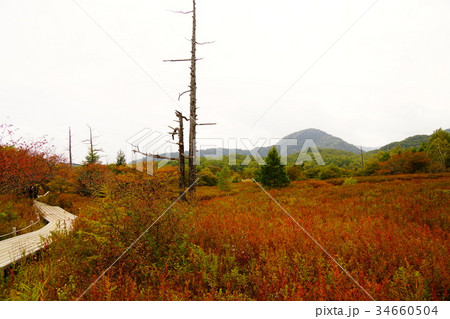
16	248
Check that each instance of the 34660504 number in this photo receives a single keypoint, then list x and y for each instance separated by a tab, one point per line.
406	310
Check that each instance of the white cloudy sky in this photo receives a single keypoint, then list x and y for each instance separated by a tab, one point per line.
385	78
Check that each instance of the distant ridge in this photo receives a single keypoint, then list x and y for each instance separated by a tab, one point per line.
413	141
321	139
324	140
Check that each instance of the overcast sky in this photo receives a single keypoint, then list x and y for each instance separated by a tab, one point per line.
372	75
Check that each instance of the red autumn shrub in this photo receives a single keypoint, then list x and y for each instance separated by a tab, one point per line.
406	162
24	164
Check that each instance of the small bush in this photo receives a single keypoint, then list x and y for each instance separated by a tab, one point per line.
207	178
90	179
350	181
224	182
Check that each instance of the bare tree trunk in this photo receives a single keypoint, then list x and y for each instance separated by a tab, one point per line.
181	155
193	105
70	147
91	142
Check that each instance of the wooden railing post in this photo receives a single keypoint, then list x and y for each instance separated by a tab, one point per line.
14	232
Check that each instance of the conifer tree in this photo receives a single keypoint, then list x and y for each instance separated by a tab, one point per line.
92	157
273	174
120	159
224	182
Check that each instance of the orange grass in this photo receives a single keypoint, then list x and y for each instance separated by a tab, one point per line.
391	236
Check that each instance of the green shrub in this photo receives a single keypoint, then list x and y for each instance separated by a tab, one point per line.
224	182
350	181
207	178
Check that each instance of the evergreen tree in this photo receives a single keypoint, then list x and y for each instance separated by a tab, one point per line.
273	174
92	157
120	160
224	182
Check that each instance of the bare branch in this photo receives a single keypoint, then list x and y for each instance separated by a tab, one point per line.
182	60
181	94
200	43
203	43
207	124
155	155
176	131
179	114
181	12
177	60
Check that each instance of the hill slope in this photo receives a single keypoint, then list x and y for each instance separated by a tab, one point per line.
322	140
412	141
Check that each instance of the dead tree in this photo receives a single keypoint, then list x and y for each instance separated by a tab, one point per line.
179	131
70	147
181	155
193	102
92	157
193	96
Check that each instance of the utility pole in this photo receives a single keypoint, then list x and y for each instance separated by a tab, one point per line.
362	158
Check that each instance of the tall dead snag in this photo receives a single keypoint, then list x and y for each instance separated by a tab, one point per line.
193	97
181	162
193	102
70	147
92	157
181	155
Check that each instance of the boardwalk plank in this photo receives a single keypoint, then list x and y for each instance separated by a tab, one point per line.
16	248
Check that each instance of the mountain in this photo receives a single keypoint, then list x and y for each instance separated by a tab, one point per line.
322	140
